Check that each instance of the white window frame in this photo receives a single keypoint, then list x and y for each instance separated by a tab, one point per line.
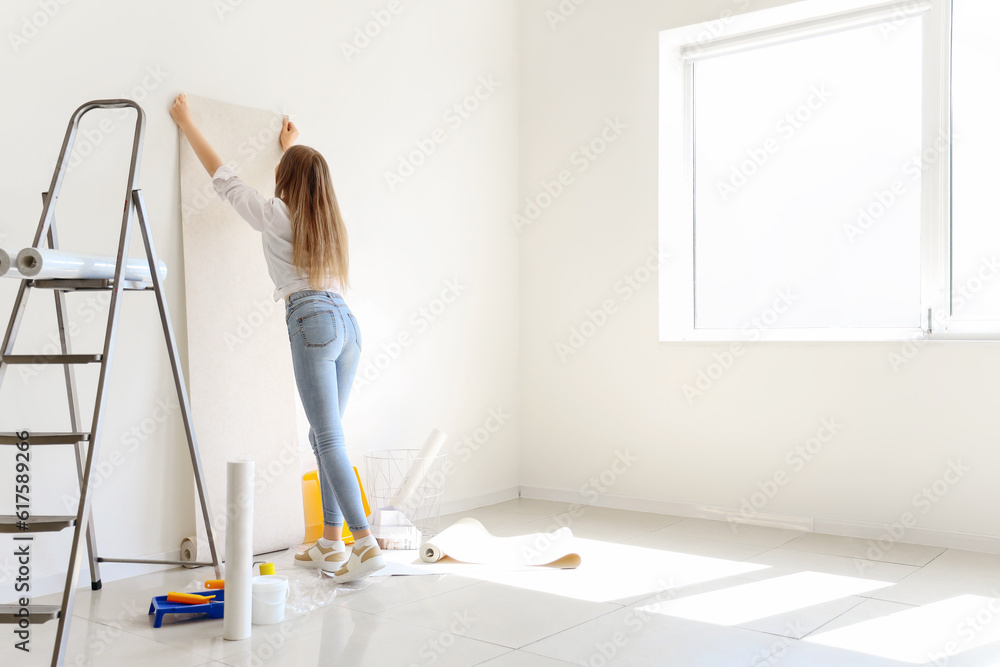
680	48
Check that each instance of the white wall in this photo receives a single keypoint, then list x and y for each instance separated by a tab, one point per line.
623	389
445	222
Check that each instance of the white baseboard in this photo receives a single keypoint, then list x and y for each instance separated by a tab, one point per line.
871	531
930	537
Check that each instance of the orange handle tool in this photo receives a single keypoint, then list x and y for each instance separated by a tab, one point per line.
188	598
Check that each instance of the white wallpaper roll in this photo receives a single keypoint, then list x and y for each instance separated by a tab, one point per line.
7	267
239	550
45	264
406	498
192	546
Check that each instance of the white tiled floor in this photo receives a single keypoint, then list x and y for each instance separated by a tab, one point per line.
652	590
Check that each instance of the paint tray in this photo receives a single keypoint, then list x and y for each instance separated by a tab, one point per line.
161	607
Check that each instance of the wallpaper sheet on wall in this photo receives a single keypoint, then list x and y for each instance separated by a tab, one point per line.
239	363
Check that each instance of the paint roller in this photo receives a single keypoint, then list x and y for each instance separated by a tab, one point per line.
44	264
188	598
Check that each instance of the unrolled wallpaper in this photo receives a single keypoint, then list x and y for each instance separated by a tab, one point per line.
468	541
239	362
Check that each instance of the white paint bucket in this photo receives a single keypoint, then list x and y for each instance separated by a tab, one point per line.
270	591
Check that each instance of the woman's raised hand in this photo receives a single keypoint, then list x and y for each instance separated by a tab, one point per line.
289	134
180	111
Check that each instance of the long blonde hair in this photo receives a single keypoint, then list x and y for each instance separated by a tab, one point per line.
319	236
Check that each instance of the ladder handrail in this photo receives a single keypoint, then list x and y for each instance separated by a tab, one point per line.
67	147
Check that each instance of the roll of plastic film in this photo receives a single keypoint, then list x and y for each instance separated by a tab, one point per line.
7	265
44	264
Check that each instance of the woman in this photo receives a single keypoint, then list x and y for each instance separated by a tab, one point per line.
305	245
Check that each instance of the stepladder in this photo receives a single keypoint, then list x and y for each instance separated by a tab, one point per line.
23	525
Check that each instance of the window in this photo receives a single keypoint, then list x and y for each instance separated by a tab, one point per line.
806	173
975	243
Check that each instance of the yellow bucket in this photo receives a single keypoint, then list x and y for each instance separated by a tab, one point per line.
312	504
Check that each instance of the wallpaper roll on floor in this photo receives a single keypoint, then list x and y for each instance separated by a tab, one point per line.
242	388
45	264
239	550
468	541
191	546
407	498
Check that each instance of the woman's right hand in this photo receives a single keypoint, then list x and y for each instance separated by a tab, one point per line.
289	134
180	111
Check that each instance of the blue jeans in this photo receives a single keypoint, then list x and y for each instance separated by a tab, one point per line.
326	347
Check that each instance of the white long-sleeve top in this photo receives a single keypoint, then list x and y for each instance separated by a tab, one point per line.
270	217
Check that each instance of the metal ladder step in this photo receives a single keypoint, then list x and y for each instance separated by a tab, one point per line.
37	613
67	438
52	358
36	524
73	285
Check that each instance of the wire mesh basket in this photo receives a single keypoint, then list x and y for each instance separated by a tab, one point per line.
387	471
